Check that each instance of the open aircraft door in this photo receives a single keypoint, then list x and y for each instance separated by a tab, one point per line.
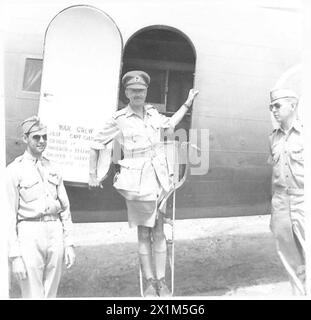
80	86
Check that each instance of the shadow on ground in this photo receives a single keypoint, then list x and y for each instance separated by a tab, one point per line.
206	266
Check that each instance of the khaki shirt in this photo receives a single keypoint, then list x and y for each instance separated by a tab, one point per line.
35	188
134	133
140	139
286	156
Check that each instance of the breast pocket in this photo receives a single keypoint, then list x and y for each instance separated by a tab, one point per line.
296	154
297	161
275	152
129	137
275	158
30	190
53	183
134	138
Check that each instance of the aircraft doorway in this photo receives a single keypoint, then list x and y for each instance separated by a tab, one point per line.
168	56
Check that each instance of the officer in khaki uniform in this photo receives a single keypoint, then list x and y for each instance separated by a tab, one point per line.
144	177
40	221
287	216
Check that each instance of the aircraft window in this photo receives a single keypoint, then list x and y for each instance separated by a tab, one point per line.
32	75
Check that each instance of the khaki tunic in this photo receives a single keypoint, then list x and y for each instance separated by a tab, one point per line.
145	175
288	214
30	196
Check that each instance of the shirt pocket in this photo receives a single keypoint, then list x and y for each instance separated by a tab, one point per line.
128	137
275	154
130	175
53	183
30	190
275	159
134	138
297	160
296	154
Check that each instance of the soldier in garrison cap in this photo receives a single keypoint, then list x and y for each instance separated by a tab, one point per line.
144	177
287	214
40	235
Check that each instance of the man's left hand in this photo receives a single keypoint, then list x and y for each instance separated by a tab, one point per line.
69	256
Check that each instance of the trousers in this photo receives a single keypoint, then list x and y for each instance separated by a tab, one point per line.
288	227
42	251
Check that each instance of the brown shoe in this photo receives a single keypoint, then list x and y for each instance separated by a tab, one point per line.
150	288
163	290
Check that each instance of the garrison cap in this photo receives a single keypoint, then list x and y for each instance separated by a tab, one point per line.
281	93
32	124
136	80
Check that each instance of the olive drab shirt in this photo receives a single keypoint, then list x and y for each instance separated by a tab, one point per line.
143	160
286	156
35	188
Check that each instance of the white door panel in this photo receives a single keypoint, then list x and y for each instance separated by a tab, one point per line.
79	90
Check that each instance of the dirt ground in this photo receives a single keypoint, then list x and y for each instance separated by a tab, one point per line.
233	257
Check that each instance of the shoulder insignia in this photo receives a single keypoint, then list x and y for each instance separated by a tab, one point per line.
119	113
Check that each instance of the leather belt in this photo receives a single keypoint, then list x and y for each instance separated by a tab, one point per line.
139	154
42	218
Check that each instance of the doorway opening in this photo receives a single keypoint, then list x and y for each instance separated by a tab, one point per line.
168	56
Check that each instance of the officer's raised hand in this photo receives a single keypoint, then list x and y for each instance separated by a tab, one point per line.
69	256
191	96
18	268
180	113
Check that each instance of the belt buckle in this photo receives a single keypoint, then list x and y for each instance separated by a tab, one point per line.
46	218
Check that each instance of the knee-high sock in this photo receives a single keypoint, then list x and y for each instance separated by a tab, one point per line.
159	247
145	252
160	264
